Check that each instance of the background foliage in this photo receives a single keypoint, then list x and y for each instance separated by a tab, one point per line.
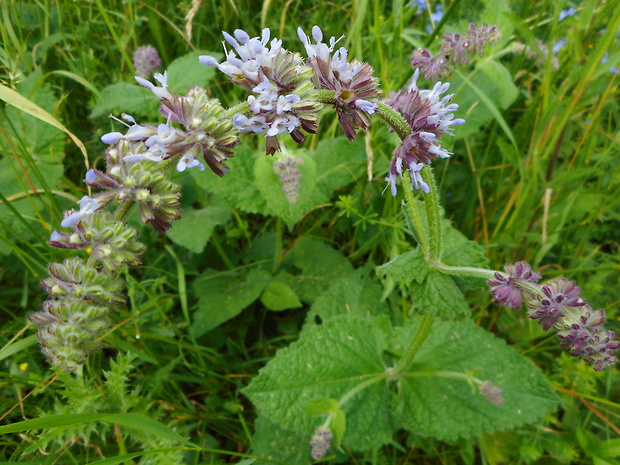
534	176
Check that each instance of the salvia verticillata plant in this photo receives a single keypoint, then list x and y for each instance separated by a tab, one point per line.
359	376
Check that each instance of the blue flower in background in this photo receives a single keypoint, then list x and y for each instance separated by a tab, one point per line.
559	45
613	70
565	13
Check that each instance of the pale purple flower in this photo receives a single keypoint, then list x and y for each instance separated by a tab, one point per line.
492	394
430	117
88	206
556	296
161	92
505	289
352	81
320	442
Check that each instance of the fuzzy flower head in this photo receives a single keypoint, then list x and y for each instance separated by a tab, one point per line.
287	169
352	81
430	117
283	94
320	442
579	328
145	61
505	287
556	297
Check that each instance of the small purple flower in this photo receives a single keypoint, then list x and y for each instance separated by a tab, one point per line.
504	288
320	442
456	48
556	296
492	394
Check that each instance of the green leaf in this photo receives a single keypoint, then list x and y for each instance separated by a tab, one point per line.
330	361
273	444
320	265
125	97
448	409
278	296
338	427
354	293
187	71
439	296
339	162
194	229
406	267
237	186
222	296
321	406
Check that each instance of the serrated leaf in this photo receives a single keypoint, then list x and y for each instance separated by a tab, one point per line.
278	296
125	97
270	187
320	265
273	444
222	296
329	361
439	296
187	71
339	162
237	186
355	293
194	229
448	409
406	267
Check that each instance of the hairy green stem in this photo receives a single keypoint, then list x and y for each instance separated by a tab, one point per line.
414	215
431	201
360	387
414	346
239	108
465	271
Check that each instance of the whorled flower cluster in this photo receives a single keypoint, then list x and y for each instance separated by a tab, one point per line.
287	169
83	292
320	442
77	312
491	393
283	100
557	304
356	89
206	132
456	48
429	117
